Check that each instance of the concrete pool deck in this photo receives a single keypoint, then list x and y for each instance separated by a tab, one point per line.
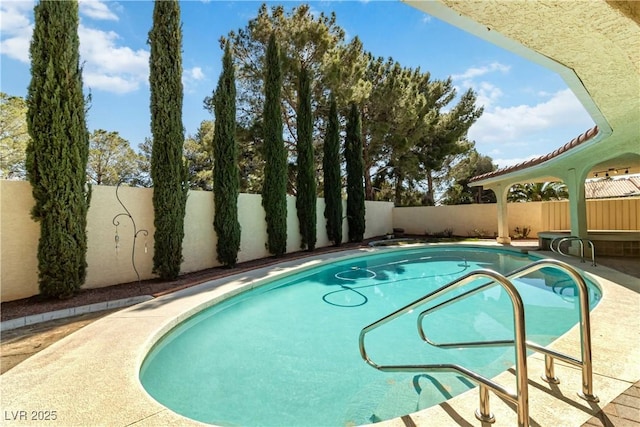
91	376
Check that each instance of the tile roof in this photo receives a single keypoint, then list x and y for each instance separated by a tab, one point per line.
537	160
606	188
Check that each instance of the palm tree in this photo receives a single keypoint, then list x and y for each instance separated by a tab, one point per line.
538	192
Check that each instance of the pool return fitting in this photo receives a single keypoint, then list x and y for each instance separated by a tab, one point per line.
521	396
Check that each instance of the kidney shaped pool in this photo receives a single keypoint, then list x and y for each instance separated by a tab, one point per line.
286	353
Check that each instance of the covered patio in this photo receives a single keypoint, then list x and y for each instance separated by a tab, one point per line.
595	47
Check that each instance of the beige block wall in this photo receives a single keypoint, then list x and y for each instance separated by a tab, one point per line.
107	266
200	240
378	219
467	220
293	226
525	215
462	219
19	236
253	236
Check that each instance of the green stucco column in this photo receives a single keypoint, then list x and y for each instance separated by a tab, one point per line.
577	202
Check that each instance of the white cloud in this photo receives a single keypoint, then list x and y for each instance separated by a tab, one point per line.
17	47
487	94
480	71
15	15
544	94
107	66
16	29
196	73
96	9
190	77
109	83
521	130
110	67
512	124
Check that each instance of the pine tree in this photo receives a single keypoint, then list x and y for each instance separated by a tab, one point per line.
59	147
332	178
168	170
274	189
226	175
355	176
306	199
14	136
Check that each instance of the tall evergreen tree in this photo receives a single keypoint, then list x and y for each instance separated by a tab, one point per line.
168	171
226	175
274	189
332	178
59	147
306	199
355	176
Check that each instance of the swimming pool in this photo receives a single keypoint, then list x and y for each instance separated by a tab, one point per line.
287	353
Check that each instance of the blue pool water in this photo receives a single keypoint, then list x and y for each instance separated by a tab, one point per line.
286	353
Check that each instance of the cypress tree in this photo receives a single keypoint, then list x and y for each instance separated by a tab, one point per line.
168	170
332	178
226	175
355	176
274	189
306	179
58	151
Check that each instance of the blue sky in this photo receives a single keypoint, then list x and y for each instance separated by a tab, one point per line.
529	111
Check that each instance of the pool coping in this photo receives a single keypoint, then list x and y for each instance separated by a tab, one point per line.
92	376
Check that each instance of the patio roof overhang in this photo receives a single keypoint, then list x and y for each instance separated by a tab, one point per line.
595	47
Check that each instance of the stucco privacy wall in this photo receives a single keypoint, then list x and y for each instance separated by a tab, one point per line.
467	220
18	241
107	266
472	220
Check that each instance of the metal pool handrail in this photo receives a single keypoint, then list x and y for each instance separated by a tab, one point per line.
580	240
549	355
520	397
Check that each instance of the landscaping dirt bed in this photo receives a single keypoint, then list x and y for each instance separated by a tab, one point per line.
155	287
